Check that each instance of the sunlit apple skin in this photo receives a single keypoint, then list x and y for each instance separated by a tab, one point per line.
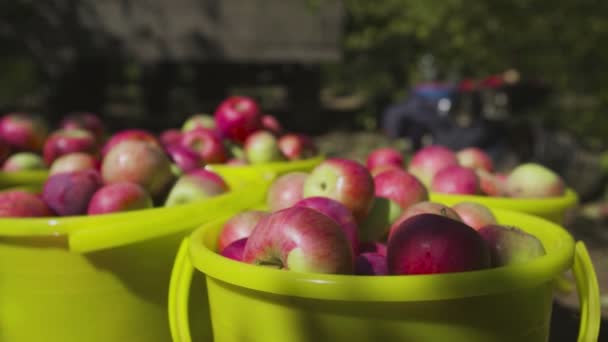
22	161
194	186
344	180
69	193
199	120
400	186
430	244
532	180
237	117
235	250
23	131
186	159
384	156
510	245
456	180
76	161
474	214
426	207
300	239
66	141
262	147
130	134
22	204
118	197
475	158
297	146
207	144
286	190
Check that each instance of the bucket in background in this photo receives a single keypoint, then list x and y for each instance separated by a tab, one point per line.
253	303
105	277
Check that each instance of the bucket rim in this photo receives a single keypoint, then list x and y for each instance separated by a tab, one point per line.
558	243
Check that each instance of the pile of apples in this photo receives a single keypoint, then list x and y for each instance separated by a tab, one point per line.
92	173
469	171
340	218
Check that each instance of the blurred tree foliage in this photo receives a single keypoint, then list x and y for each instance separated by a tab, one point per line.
561	42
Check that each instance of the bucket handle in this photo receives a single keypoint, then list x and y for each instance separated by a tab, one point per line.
179	294
588	294
586	284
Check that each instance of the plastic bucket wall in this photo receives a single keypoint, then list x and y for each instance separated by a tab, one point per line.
24	180
252	303
552	209
101	278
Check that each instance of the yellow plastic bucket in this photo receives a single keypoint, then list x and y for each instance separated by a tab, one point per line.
101	278
252	303
551	208
268	170
31	180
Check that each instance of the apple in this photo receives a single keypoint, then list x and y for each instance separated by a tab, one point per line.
456	179
381	168
138	161
118	197
475	158
271	124
196	185
235	250
384	156
22	161
534	180
426	207
237	117
69	193
378	222
76	161
235	161
185	159
300	239
84	120
262	147
429	160
207	144
474	214
344	180
286	190
429	244
339	213
130	134
373	247
238	227
491	184
66	141
510	245
400	186
23	131
22	204
297	146
170	137
370	264
198	121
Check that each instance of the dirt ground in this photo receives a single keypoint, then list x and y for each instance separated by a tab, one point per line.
593	232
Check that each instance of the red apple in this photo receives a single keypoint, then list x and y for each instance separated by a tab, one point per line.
196	121
130	134
76	161
344	180
297	146
400	186
235	161
194	186
339	213
271	124
262	147
425	207
66	141
302	240
429	160
185	159
23	131
474	214
491	184
534	180
428	244
376	247
371	264
69	193
381	168
22	204
237	117
286	190
170	137
235	250
510	245
84	120
456	179
384	156
378	221
22	161
475	158
207	144
138	161
238	227
117	197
